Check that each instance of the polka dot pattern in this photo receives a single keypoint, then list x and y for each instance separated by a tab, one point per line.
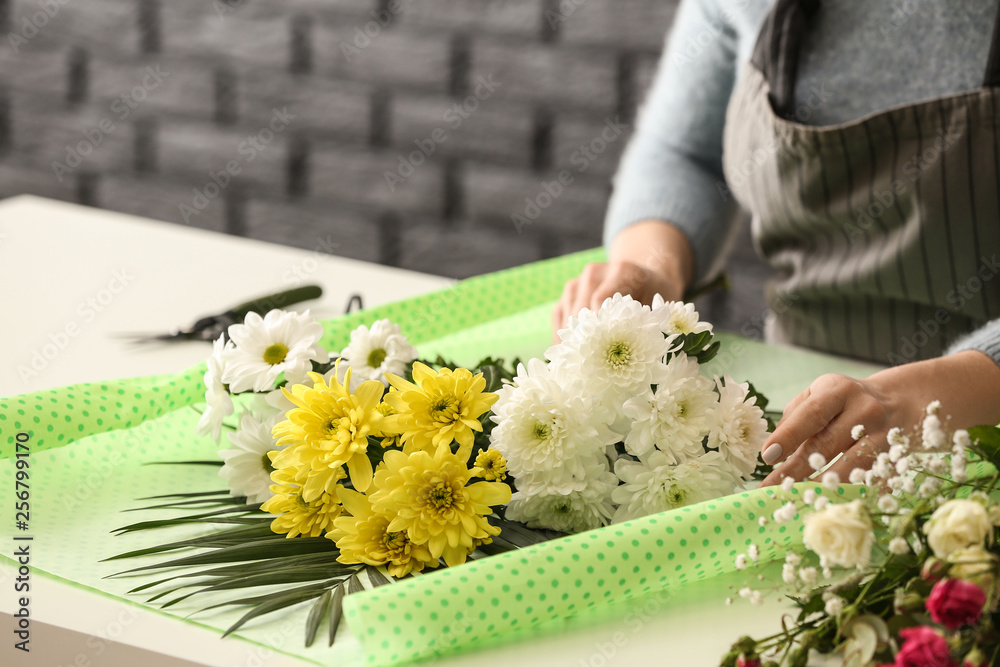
461	607
57	417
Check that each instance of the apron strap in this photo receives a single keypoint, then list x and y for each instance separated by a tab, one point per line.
777	51
992	77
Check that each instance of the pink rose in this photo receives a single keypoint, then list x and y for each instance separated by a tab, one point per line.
956	602
923	647
744	661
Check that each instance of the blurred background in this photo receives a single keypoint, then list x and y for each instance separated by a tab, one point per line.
452	137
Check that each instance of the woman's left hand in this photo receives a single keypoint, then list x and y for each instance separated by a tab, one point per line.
821	418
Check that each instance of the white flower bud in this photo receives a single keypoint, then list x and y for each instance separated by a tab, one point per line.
816	460
858	432
899	546
831	480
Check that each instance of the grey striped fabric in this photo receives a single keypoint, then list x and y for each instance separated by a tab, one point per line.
885	231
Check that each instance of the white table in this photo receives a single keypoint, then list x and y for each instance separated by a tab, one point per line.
153	276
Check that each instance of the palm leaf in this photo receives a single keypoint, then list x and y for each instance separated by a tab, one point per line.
336	611
316	615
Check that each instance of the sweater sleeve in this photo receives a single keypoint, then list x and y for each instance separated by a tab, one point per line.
672	168
985	339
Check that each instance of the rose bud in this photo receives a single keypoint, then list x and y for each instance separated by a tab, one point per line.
751	660
934	569
907	603
975	658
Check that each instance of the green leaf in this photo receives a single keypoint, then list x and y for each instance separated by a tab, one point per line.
187	495
492	377
316	615
146	525
229	500
265	549
336	611
221	538
279	602
986	441
317	589
354	585
215	462
376	577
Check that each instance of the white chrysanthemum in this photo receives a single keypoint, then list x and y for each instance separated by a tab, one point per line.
219	404
583	509
676	417
614	351
654	485
279	342
563	480
247	469
740	428
376	351
545	425
677	317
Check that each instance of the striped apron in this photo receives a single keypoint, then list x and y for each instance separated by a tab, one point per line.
884	231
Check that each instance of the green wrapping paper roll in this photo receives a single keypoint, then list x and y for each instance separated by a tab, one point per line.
519	591
57	417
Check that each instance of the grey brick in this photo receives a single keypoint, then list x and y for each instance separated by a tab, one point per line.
150	85
315	226
243	42
17	178
39	70
587	144
631	23
521	17
159	199
407	59
90	23
473	250
43	131
193	150
357	175
495	194
561	77
490	130
334	106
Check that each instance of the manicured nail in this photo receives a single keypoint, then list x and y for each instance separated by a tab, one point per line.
772	453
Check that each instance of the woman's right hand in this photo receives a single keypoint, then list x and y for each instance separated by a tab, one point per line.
647	258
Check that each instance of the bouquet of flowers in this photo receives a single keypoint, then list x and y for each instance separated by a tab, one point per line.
912	563
371	458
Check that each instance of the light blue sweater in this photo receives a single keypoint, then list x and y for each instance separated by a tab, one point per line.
864	56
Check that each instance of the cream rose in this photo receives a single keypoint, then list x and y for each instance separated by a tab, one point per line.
840	534
957	524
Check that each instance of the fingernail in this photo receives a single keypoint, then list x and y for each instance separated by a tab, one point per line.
772	453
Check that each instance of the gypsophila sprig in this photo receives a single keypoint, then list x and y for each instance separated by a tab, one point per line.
910	554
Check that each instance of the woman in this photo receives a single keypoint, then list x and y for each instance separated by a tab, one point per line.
863	139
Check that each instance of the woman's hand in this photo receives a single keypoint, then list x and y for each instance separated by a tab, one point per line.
647	258
821	418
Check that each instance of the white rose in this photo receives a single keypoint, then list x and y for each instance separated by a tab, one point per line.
957	524
840	534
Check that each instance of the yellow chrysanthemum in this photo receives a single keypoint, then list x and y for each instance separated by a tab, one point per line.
437	407
328	430
491	466
390	439
430	498
296	516
364	537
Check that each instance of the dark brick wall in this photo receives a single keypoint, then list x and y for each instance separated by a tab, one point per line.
141	106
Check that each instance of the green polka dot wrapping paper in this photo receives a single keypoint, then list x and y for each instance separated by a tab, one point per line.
91	445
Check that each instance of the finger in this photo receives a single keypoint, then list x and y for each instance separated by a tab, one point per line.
560	315
808	418
861	455
591	277
830	441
